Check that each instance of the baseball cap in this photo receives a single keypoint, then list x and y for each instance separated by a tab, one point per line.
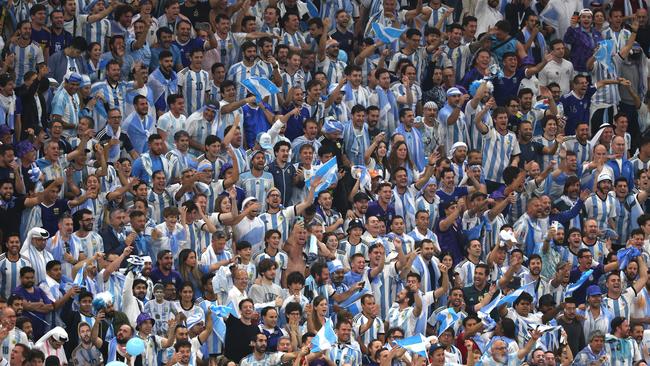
143	317
264	139
604	176
356	223
360	196
594	290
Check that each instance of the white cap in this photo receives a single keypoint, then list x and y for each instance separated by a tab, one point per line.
604	176
265	141
248	199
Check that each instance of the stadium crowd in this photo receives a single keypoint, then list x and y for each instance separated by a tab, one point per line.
324	182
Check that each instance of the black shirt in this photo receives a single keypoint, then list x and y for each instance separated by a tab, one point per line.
197	13
530	151
473	296
346	41
238	336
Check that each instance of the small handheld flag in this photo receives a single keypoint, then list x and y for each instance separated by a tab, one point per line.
325	338
415	344
574	286
261	87
328	174
387	34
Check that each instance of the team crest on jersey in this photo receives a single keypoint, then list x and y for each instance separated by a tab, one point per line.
56	211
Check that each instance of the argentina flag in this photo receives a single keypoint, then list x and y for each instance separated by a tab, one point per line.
447	318
324	339
361	173
328	174
574	286
261	87
415	344
387	35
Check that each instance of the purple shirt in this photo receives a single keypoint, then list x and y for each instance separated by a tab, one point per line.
173	277
582	44
40	321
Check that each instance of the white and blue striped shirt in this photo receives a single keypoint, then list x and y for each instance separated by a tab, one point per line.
10	273
292	40
372	333
240	72
280	220
26	59
171	124
601	209
345	354
498	150
456	132
66	106
194	86
256	186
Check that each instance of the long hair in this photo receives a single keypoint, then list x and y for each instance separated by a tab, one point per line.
394	162
189	274
314	314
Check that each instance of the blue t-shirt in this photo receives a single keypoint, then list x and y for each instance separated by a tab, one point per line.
50	215
185	49
42	37
576	110
254	122
505	87
173	277
59	42
457	193
139	172
581	293
374	209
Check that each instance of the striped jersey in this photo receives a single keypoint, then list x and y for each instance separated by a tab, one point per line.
26	59
66	106
457	131
10	273
601	209
240	72
281	260
194	86
498	150
623	305
475	138
171	124
256	186
280	220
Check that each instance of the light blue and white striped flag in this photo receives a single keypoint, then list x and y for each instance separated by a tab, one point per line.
387	34
261	87
511	297
312	249
328	174
447	318
574	286
79	277
415	344
626	255
218	324
364	177
325	337
487	309
552	13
